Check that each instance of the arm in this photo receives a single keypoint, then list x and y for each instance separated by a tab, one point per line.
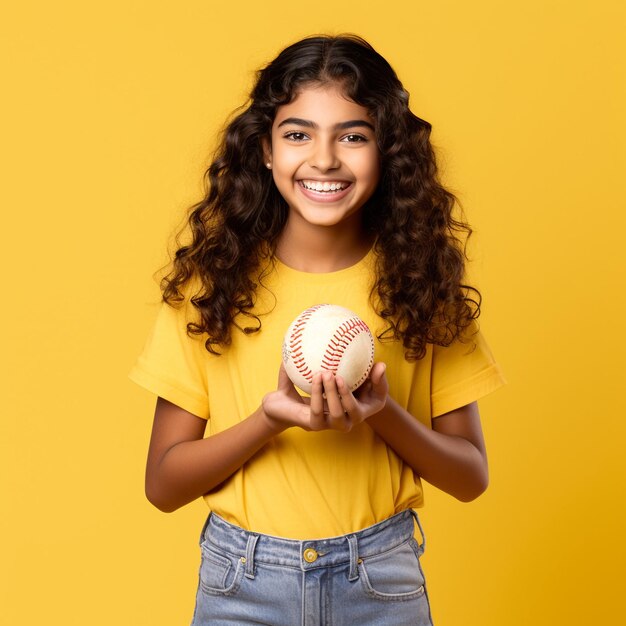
182	465
451	456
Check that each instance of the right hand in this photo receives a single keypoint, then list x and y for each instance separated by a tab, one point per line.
285	407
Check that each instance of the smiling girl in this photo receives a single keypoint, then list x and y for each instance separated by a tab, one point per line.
324	189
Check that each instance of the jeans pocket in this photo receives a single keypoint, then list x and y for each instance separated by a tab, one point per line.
220	573
393	575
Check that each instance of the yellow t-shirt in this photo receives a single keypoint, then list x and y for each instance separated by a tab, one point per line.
308	485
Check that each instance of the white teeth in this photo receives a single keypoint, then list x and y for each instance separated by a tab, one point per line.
326	186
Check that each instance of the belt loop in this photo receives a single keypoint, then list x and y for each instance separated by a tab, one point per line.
204	528
422	546
250	546
354	557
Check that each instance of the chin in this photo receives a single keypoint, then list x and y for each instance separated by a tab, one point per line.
325	217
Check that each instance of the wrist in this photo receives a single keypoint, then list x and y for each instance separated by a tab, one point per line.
382	414
270	425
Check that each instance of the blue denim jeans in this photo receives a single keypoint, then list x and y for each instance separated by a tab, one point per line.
370	577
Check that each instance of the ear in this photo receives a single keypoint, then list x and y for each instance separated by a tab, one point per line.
266	145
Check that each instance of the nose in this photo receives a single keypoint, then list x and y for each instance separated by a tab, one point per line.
323	155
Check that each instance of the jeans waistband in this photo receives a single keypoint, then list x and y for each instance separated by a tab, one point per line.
253	547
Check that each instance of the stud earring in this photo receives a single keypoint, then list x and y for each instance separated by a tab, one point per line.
268	165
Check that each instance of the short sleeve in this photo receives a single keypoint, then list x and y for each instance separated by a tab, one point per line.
462	373
173	364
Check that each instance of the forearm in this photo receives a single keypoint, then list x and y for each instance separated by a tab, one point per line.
189	469
450	462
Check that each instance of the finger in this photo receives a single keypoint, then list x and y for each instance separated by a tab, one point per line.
380	386
348	401
316	403
284	382
337	418
286	385
378	373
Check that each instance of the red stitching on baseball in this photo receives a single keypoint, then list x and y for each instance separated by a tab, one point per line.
339	342
295	342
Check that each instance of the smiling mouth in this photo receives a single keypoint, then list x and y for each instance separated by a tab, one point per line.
326	187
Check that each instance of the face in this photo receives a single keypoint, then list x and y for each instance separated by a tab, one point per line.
324	157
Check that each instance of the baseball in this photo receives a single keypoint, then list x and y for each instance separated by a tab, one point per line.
328	337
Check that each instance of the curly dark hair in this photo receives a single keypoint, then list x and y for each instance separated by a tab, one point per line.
418	286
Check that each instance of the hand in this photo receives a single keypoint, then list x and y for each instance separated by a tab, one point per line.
345	409
285	407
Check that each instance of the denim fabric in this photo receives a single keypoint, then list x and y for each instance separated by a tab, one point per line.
369	577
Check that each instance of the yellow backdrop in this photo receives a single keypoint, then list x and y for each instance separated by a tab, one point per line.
109	110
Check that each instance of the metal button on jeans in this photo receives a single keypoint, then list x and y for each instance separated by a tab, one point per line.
310	555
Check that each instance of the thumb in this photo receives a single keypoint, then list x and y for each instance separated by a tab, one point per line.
284	382
378	378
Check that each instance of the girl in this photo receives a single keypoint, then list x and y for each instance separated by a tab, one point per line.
324	189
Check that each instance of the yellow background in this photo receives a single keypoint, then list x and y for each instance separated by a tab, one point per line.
109	111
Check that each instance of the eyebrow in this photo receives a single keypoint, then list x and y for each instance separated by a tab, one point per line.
296	121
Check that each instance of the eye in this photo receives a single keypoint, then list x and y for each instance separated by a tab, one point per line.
354	138
295	136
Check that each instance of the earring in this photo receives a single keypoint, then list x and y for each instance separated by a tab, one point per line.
268	165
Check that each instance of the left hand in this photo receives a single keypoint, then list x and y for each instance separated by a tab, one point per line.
342	409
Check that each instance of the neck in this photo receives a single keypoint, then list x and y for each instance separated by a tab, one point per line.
322	249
